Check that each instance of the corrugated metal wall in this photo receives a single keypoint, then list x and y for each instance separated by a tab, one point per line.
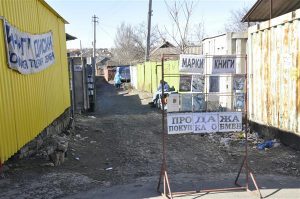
274	66
29	103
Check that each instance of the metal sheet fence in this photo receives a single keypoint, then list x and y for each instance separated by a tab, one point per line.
149	75
29	103
274	65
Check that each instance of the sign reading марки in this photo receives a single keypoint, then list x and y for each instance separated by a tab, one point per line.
192	63
28	53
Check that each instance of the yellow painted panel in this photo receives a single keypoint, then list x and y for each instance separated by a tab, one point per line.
8	139
140	69
29	103
64	64
149	80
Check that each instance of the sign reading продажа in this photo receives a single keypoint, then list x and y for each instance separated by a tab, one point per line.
28	53
204	122
192	63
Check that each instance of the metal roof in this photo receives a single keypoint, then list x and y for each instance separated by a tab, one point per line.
70	37
264	10
213	37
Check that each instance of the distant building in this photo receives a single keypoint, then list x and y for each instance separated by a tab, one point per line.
164	48
231	43
109	70
194	49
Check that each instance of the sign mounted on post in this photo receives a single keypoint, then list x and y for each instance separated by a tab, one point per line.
28	53
77	68
204	122
192	63
223	64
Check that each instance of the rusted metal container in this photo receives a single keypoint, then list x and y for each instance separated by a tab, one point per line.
273	72
29	103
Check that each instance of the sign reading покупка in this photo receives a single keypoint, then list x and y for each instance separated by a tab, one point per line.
28	53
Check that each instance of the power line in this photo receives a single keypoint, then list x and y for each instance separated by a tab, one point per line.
106	32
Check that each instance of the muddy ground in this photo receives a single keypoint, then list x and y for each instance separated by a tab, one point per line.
121	142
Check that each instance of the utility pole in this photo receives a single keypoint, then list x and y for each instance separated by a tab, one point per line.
85	89
95	21
149	31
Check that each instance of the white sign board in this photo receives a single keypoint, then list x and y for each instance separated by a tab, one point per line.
192	63
28	53
230	121
77	68
173	103
223	64
205	122
180	123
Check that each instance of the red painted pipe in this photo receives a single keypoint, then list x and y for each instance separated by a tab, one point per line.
1	166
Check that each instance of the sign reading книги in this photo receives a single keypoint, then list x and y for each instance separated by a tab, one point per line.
223	64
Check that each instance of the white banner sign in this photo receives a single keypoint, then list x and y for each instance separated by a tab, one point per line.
192	63
205	122
230	121
180	123
223	64
28	53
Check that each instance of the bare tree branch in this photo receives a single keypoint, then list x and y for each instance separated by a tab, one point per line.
130	42
180	12
234	23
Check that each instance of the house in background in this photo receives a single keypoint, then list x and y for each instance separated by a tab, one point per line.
194	49
100	64
164	48
109	70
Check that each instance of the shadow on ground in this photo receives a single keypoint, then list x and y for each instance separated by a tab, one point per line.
112	101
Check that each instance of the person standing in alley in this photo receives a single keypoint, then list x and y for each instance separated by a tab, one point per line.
117	79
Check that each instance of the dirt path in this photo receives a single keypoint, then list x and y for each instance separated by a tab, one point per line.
121	143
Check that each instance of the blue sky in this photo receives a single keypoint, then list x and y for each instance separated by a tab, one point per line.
112	13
